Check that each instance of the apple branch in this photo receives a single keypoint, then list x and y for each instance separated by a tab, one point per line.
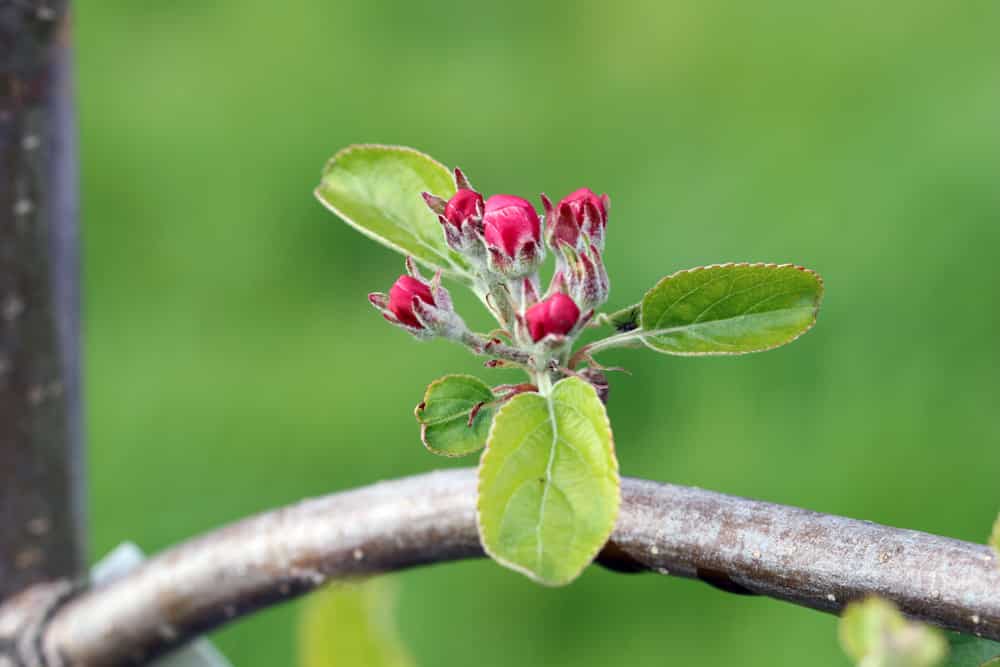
739	545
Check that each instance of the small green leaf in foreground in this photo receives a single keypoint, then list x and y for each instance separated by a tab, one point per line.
875	634
351	625
995	540
548	483
445	412
376	189
730	309
969	651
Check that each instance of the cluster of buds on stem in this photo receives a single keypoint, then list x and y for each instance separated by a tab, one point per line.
504	241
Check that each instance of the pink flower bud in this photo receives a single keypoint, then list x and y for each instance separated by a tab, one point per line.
401	297
465	205
512	232
579	212
557	315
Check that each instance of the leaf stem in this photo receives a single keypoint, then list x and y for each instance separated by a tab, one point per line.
617	340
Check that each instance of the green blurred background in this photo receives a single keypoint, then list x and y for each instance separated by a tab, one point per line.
233	363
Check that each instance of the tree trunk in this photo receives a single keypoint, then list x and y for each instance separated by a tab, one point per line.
41	454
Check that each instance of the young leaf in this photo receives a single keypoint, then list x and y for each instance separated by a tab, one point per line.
548	483
875	634
376	189
969	651
444	415
730	309
351	624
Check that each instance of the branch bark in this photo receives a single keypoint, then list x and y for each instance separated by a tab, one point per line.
41	478
739	545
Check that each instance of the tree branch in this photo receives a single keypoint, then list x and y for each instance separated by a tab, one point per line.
41	453
740	545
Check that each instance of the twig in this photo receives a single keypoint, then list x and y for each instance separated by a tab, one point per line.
740	545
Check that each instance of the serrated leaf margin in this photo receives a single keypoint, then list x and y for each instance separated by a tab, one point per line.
449	267
618	495
726	265
423	425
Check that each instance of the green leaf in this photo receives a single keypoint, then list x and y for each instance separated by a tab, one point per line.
444	415
875	634
351	625
376	189
995	540
548	483
729	309
969	651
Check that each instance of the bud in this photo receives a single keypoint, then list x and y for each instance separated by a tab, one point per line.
466	205
461	217
556	315
512	233
579	214
582	275
423	309
401	297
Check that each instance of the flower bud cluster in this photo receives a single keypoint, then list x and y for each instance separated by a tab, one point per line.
505	241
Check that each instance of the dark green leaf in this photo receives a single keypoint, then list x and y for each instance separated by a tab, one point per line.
444	415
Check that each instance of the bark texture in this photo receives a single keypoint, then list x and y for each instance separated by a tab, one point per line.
41	479
736	544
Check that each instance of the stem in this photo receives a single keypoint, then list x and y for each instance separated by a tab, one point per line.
543	379
484	346
617	340
738	545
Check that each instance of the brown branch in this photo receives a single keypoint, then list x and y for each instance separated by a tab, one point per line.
41	480
740	545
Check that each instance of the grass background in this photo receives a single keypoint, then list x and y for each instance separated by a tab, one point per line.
233	363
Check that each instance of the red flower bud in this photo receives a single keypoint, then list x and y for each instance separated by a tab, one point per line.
465	205
557	314
401	297
512	232
581	211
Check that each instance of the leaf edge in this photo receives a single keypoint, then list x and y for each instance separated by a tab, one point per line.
423	425
456	271
618	495
753	265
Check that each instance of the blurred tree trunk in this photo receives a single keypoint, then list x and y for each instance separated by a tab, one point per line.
41	455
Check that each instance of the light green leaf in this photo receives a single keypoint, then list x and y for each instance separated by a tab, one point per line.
995	540
376	189
351	625
729	309
444	415
969	651
548	483
875	634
